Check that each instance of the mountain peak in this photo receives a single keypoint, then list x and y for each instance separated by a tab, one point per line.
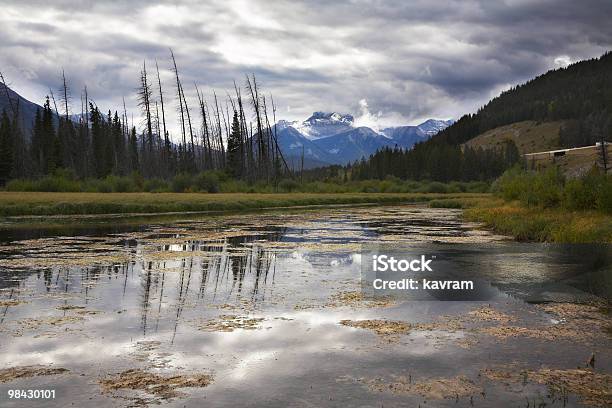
432	126
318	117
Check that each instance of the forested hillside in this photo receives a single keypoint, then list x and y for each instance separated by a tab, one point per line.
580	95
581	92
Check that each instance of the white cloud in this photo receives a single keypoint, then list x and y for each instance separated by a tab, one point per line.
407	61
563	61
366	118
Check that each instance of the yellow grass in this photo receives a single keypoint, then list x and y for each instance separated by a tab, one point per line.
44	203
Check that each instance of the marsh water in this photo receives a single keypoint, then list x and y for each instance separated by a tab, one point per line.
269	306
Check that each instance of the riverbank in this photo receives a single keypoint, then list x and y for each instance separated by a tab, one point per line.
533	223
46	203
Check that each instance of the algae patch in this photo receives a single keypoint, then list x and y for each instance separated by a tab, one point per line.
229	323
594	388
435	388
164	387
379	326
15	373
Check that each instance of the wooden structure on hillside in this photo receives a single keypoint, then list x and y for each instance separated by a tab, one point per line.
575	161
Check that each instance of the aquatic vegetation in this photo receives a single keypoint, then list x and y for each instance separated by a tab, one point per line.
14	373
229	323
164	387
358	299
201	294
10	302
379	326
591	386
434	388
488	314
576	322
70	307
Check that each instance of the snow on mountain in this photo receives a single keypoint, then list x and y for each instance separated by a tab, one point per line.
432	126
323	124
332	138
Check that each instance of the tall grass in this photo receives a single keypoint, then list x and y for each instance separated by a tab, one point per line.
545	206
41	203
216	181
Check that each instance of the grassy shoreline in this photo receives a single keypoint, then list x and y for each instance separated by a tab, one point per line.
524	223
14	204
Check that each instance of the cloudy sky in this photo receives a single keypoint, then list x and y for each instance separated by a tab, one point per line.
387	62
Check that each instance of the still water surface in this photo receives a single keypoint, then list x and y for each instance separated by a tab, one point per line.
267	303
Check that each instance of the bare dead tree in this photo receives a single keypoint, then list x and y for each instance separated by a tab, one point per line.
161	100
179	93
221	147
255	101
189	123
54	104
144	102
65	95
279	151
205	130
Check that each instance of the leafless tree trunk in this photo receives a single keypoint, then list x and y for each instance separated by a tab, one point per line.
180	98
66	95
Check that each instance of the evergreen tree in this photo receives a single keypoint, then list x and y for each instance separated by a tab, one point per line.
36	147
133	150
49	142
98	142
6	148
234	161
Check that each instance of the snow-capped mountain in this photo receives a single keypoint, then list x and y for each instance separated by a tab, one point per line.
324	124
432	126
332	138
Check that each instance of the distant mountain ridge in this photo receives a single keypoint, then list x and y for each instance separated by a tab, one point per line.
332	138
325	138
26	109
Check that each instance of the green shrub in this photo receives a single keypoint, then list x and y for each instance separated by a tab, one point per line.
604	199
288	185
234	186
369	186
512	184
181	183
138	181
207	182
20	185
121	184
156	185
544	189
477	187
103	186
456	187
47	183
582	194
433	187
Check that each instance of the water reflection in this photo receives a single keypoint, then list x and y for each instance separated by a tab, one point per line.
163	281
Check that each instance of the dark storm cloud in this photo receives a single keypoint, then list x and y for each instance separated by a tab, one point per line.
406	60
